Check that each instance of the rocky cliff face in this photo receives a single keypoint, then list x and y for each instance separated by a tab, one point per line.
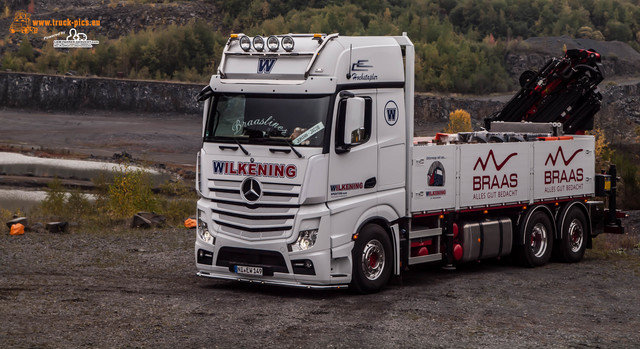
70	93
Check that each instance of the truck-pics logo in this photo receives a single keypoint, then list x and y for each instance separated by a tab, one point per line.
563	179
505	181
22	23
75	40
265	65
391	113
254	169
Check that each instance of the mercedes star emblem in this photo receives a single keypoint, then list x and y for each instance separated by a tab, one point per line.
251	190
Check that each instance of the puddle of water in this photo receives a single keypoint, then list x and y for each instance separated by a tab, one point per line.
13	199
14	164
23	165
25	200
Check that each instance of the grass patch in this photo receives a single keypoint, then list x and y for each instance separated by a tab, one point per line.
612	246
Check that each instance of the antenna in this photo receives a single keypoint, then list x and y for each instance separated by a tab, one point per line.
349	67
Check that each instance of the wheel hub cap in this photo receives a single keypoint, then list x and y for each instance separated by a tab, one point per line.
373	260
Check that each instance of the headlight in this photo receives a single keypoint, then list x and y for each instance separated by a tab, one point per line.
203	229
287	43
272	43
306	240
258	43
245	43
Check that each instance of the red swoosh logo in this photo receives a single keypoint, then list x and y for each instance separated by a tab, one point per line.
493	158
559	153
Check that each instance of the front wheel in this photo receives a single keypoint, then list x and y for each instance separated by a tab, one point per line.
372	259
538	241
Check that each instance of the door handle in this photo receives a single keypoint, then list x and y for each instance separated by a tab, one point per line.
370	183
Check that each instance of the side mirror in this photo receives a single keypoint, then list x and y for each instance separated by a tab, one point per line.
354	121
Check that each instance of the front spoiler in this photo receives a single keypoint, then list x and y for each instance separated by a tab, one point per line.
271	282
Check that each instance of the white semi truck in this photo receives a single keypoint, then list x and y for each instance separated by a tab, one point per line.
310	176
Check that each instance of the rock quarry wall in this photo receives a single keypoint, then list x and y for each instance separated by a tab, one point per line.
71	93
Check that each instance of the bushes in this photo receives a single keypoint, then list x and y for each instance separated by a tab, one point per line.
130	191
459	121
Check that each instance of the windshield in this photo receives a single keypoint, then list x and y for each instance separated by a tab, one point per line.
247	118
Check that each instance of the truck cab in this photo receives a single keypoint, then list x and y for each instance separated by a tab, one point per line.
304	146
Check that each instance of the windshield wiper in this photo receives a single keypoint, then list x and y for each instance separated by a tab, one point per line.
294	149
241	147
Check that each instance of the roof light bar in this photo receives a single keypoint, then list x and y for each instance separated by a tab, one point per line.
245	43
258	43
287	43
273	43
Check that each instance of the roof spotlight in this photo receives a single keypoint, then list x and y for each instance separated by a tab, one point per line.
272	43
287	43
245	43
258	43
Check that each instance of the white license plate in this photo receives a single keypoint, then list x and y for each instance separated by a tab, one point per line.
241	269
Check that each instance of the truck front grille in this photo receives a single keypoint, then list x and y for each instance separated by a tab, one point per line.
271	216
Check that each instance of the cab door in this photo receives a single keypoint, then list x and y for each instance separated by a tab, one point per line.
353	164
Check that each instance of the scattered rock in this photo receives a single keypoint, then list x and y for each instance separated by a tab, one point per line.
20	220
57	227
122	156
148	220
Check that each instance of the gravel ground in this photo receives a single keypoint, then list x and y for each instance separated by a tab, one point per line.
139	289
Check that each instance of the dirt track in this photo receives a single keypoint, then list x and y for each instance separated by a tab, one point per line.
139	289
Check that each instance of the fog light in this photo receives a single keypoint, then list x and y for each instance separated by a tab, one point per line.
306	240
272	43
207	237
245	43
287	43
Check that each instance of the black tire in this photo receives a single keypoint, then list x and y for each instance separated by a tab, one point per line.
538	240
372	260
570	248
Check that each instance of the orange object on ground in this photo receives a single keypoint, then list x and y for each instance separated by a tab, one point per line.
190	223
17	229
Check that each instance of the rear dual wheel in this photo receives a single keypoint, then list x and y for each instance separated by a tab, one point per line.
571	247
538	240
